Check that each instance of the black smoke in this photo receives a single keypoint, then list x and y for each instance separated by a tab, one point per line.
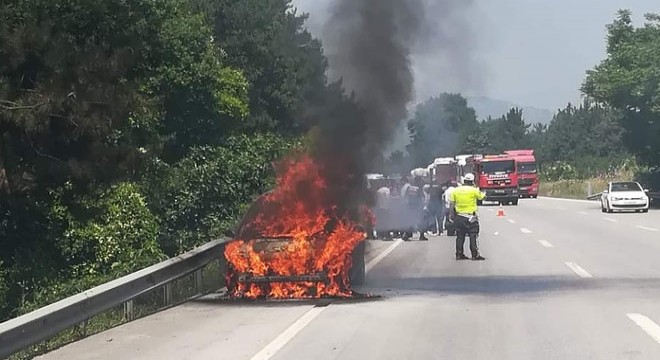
369	45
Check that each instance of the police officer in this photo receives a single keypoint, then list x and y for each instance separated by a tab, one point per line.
463	201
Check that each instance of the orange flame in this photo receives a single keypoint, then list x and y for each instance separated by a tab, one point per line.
319	241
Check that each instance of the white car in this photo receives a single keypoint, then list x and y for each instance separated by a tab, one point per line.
624	195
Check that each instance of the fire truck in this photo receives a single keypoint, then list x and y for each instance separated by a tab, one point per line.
443	169
528	177
495	175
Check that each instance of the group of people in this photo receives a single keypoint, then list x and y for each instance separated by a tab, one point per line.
408	206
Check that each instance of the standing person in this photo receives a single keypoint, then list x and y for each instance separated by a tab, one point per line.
383	217
414	203
419	207
446	198
436	209
404	218
464	212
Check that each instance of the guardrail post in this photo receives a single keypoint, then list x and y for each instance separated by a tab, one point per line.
199	283
589	190
167	294
128	310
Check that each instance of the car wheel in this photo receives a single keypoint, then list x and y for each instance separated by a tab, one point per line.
515	202
645	210
357	272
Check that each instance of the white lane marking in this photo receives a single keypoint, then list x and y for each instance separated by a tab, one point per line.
496	233
288	334
609	219
578	270
648	325
560	208
280	341
525	230
511	221
491	210
545	243
583	212
647	228
370	265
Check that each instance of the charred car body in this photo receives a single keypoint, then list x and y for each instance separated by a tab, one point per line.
268	248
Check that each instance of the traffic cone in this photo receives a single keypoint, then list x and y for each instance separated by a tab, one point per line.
500	212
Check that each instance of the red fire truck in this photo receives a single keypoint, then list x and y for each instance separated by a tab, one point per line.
496	176
528	177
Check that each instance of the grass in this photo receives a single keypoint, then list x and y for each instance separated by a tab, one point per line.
145	304
579	188
572	189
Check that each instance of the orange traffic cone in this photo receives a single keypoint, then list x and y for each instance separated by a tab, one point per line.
500	212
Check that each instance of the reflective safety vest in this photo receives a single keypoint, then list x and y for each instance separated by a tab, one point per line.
465	199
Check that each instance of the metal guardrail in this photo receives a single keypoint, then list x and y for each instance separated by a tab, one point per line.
44	323
594	196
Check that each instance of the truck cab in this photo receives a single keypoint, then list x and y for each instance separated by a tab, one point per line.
496	176
443	169
528	178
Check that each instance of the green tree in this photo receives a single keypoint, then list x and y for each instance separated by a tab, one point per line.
91	92
589	130
205	193
505	133
283	63
628	81
204	99
439	127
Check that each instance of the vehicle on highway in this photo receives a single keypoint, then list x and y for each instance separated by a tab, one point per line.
624	196
528	177
443	170
496	176
247	231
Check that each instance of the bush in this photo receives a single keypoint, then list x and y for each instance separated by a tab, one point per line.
204	194
649	177
117	235
588	167
122	236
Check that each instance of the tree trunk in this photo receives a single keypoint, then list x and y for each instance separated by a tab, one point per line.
4	179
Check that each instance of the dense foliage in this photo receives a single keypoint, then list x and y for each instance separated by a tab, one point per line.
134	130
629	81
579	141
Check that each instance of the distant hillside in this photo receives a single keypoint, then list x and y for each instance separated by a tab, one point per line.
485	106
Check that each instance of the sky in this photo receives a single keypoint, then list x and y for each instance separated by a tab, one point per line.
529	52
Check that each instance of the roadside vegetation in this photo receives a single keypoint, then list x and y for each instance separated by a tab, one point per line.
133	131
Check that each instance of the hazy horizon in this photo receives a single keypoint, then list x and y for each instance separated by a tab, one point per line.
526	52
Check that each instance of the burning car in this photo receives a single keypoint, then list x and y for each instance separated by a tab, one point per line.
293	246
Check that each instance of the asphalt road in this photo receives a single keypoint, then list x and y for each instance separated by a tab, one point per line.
561	281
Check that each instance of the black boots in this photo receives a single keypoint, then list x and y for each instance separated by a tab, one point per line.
475	258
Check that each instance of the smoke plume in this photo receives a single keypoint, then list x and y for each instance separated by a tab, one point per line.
368	44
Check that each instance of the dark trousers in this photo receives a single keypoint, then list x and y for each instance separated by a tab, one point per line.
463	228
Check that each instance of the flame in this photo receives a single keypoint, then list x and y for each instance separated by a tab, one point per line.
318	240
